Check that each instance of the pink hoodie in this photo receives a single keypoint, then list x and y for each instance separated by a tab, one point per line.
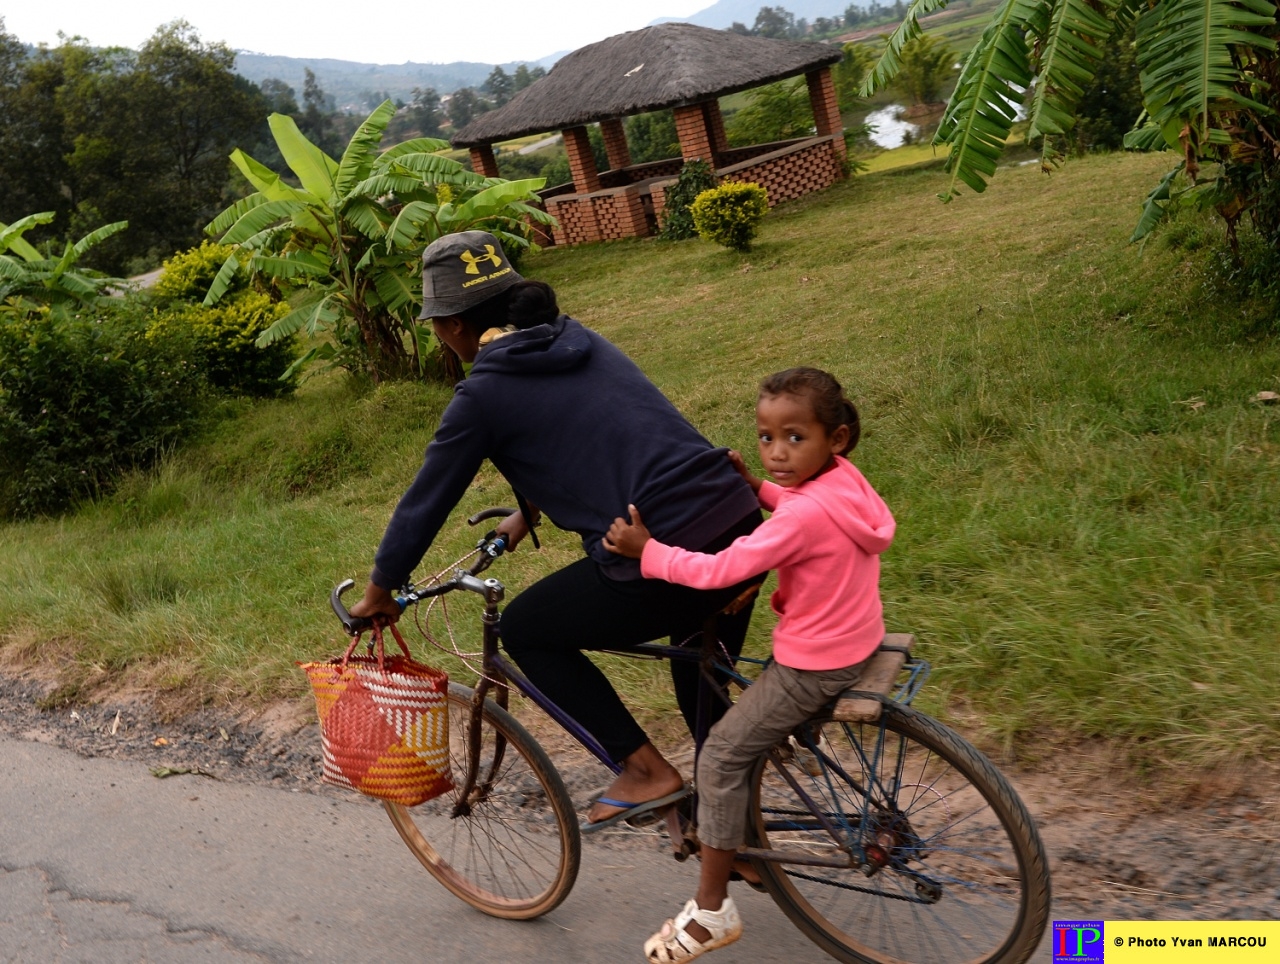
824	537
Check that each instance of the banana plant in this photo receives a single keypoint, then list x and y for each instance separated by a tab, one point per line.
29	279
345	244
1208	69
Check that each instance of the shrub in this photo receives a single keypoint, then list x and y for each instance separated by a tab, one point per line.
677	223
225	344
730	214
188	274
83	398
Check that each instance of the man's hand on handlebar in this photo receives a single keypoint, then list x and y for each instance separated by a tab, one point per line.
514	528
376	602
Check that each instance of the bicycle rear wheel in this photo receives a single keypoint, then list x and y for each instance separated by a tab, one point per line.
957	869
512	848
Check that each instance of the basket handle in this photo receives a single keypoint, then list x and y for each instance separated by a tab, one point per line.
379	649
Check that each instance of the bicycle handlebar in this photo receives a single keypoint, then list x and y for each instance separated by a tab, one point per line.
489	548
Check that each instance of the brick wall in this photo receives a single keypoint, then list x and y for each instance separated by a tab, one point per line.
794	171
600	216
737	155
787	172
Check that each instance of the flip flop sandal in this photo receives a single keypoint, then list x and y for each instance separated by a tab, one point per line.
631	810
755	885
673	943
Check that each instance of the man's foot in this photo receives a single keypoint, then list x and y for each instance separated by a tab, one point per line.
628	811
645	776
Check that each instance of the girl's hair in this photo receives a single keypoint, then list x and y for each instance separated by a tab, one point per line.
824	393
524	305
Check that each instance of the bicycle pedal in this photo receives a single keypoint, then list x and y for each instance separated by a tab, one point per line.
648	818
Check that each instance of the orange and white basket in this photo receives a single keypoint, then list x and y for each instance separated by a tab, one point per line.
384	723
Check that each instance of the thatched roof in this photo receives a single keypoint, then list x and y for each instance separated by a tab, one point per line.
668	65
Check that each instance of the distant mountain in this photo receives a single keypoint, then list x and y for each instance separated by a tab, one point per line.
355	86
723	13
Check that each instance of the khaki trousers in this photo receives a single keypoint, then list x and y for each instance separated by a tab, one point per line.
766	712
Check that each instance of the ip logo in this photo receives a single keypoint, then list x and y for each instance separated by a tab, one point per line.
1078	942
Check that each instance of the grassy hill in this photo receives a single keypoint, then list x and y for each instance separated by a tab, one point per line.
1088	500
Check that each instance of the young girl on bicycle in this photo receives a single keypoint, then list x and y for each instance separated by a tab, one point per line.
824	537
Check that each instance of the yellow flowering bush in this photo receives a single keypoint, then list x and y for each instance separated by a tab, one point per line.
730	214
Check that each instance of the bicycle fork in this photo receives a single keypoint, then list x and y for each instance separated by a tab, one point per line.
475	790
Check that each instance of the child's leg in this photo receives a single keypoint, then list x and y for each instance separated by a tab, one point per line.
763	716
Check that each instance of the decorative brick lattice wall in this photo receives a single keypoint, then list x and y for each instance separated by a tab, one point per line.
794	171
789	171
601	216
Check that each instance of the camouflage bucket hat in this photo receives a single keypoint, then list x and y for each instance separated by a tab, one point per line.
459	271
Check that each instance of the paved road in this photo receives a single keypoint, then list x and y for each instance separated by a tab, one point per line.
101	862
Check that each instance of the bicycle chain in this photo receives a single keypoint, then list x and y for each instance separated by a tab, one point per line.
862	890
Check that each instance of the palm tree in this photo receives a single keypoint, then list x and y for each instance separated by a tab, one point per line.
1208	70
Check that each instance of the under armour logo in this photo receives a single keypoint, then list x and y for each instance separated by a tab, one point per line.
473	260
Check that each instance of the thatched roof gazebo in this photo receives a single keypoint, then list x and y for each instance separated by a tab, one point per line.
674	65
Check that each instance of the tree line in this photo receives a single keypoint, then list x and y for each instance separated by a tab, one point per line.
99	135
778	23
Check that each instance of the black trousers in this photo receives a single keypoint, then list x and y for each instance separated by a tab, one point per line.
546	628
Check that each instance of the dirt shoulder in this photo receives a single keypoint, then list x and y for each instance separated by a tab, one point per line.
1199	847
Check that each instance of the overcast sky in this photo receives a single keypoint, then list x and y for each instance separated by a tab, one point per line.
425	31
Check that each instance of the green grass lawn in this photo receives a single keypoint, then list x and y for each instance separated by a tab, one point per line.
1088	501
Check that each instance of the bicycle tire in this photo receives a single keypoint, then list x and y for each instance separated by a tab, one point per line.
945	820
514	852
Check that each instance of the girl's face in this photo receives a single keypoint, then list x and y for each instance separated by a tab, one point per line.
794	445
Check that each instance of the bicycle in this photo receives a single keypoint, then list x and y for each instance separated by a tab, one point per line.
881	834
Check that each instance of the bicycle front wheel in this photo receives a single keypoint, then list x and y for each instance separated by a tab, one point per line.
512	848
948	865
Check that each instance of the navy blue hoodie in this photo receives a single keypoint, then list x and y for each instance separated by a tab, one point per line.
579	431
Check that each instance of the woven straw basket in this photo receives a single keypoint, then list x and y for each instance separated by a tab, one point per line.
384	724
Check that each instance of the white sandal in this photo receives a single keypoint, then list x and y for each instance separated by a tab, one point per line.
674	943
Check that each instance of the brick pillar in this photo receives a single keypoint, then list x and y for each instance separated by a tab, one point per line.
695	138
615	143
715	125
483	162
582	162
826	106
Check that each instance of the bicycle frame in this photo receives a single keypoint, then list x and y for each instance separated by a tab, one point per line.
498	675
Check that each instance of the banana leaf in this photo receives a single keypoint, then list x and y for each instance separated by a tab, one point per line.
11	235
358	159
222	280
890	61
315	169
1187	56
1069	52
981	112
